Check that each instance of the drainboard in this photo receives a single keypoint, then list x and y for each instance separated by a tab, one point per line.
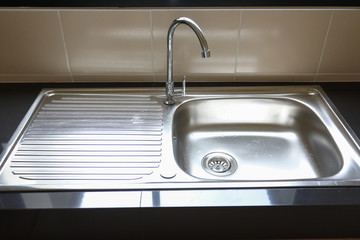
90	137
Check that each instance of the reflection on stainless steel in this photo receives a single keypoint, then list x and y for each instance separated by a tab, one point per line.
128	139
208	198
181	198
271	139
90	138
110	199
48	200
205	53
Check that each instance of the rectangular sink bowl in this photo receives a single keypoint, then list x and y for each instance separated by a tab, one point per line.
265	138
263	135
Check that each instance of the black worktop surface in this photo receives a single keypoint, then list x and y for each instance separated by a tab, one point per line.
331	221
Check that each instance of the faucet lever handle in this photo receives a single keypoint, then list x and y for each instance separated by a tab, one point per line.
181	92
184	86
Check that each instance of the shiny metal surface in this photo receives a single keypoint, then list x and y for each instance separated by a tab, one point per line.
88	137
219	164
250	197
205	53
91	137
181	198
128	139
270	138
61	200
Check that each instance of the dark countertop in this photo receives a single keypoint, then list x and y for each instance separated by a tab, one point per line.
336	220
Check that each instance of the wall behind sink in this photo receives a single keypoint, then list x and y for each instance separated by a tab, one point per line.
252	44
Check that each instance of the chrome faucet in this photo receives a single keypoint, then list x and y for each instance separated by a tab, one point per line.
205	53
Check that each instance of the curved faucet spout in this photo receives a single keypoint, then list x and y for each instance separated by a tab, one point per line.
205	53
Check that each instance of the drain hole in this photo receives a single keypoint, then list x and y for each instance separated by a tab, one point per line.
219	164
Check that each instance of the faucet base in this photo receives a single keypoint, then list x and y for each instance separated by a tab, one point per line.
169	101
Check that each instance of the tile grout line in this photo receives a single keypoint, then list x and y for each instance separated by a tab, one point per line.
324	45
152	46
65	47
238	45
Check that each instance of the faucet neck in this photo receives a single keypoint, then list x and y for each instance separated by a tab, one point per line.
205	52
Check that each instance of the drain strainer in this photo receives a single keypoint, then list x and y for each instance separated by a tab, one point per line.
219	164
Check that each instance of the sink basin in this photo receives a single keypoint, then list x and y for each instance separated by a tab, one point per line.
236	137
268	138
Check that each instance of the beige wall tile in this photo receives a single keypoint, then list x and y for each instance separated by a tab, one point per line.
273	77
275	41
118	45
110	42
113	78
31	43
342	50
220	29
34	78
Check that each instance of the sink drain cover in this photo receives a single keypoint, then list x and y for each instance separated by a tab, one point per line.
219	164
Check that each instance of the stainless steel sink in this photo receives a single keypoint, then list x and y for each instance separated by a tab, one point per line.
268	138
211	138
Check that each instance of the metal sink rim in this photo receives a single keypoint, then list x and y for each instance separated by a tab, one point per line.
169	176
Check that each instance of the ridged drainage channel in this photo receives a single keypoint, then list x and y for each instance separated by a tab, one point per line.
91	138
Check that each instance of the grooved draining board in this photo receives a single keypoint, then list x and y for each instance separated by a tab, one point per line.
89	136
